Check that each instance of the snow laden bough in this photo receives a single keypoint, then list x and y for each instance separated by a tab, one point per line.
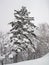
23	40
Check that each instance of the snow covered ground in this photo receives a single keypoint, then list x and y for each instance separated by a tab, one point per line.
41	61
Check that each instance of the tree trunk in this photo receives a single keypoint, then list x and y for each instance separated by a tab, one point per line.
15	59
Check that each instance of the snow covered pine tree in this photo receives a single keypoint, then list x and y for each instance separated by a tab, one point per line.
21	29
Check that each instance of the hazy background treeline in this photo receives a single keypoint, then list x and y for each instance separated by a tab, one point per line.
41	44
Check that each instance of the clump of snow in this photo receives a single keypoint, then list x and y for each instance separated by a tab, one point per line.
2	57
11	56
18	50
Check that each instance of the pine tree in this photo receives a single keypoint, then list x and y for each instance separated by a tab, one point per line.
21	29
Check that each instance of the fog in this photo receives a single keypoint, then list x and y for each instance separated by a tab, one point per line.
39	10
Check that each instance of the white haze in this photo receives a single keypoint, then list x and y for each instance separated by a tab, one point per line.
38	8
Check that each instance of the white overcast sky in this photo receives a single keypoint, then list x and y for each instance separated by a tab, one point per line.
39	10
